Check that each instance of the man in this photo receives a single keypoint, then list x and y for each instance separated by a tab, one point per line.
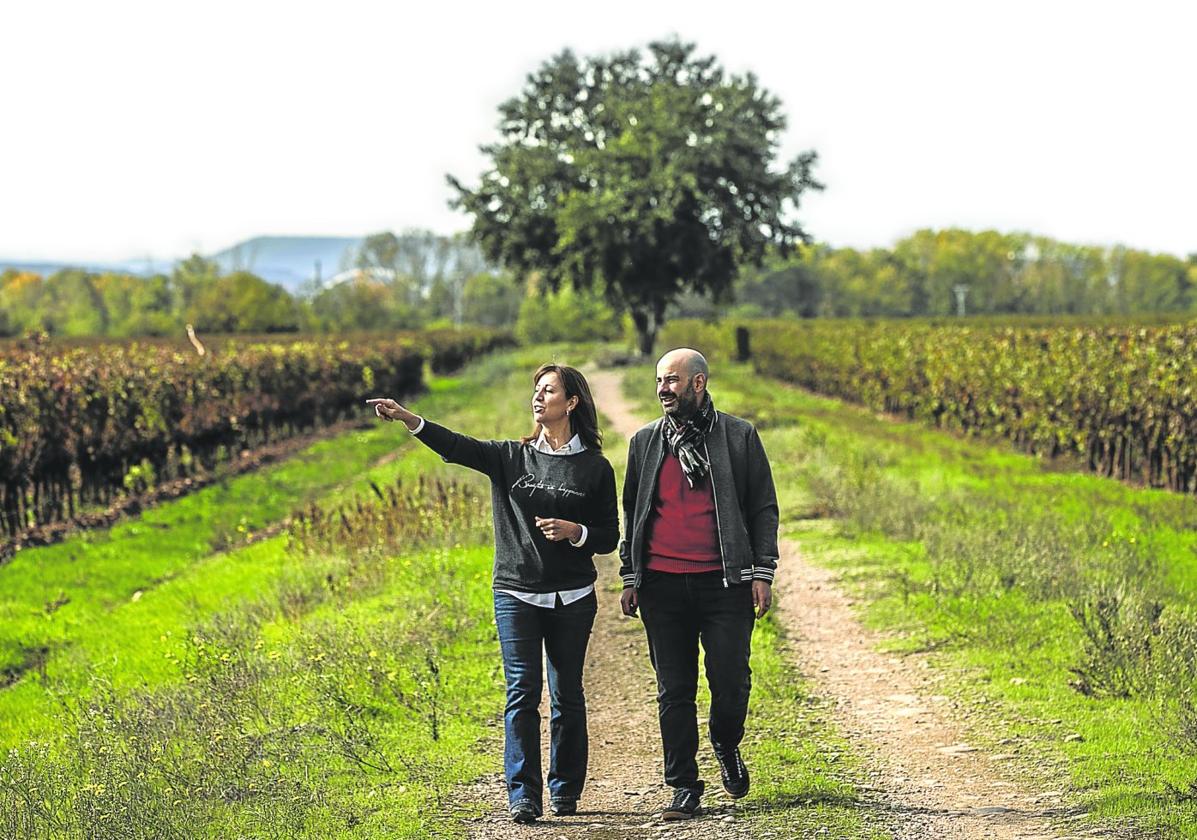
698	557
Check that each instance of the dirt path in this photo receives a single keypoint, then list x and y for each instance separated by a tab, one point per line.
921	765
923	773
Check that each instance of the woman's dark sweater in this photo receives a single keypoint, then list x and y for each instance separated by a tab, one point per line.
526	483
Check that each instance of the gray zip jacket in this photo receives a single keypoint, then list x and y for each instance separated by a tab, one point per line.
745	499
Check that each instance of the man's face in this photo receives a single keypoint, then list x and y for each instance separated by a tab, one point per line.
676	390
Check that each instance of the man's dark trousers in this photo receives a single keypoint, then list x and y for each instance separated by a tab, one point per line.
679	610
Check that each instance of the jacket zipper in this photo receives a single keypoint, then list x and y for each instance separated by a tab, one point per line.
718	524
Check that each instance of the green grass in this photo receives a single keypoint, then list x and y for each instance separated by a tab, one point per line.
127	586
54	594
977	556
805	775
97	599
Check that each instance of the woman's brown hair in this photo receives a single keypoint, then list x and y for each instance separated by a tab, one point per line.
583	420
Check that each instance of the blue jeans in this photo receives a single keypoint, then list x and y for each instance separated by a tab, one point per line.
561	633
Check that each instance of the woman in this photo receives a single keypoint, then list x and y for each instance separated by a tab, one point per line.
553	497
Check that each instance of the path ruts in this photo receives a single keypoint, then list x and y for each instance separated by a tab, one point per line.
924	772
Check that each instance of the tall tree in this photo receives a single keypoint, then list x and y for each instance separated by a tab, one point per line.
424	270
243	302
189	278
379	251
492	300
643	175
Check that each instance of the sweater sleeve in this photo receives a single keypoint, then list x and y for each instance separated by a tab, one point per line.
631	480
604	528
485	456
761	511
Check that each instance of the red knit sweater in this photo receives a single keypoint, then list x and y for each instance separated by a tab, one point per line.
682	533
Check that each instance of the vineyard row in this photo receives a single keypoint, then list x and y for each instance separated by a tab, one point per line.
1121	398
80	425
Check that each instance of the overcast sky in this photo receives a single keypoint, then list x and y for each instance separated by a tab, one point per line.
133	129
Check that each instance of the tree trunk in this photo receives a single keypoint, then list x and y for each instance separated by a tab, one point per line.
646	331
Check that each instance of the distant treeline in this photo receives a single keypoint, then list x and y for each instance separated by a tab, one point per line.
393	282
997	273
421	279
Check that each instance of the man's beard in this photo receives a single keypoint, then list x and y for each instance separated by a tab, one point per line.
684	406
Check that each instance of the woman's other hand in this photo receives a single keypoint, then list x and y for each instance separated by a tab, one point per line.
555	530
390	410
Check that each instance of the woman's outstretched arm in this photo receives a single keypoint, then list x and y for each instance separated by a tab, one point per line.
455	448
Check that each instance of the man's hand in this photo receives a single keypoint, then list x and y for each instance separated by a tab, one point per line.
390	410
762	597
555	530
628	602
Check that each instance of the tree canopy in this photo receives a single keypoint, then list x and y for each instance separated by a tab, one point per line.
644	175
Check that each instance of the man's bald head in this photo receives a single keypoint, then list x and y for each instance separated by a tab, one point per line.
681	381
688	360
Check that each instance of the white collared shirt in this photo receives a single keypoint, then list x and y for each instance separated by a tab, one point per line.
547	599
574	444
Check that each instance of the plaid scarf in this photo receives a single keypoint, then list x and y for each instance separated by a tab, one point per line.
685	440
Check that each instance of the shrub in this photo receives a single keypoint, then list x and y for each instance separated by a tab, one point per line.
566	315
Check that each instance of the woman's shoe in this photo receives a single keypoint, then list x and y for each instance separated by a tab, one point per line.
523	813
564	807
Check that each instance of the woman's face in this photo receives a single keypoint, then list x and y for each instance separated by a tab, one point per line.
549	403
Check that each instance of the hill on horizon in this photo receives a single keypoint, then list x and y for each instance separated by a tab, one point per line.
289	261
